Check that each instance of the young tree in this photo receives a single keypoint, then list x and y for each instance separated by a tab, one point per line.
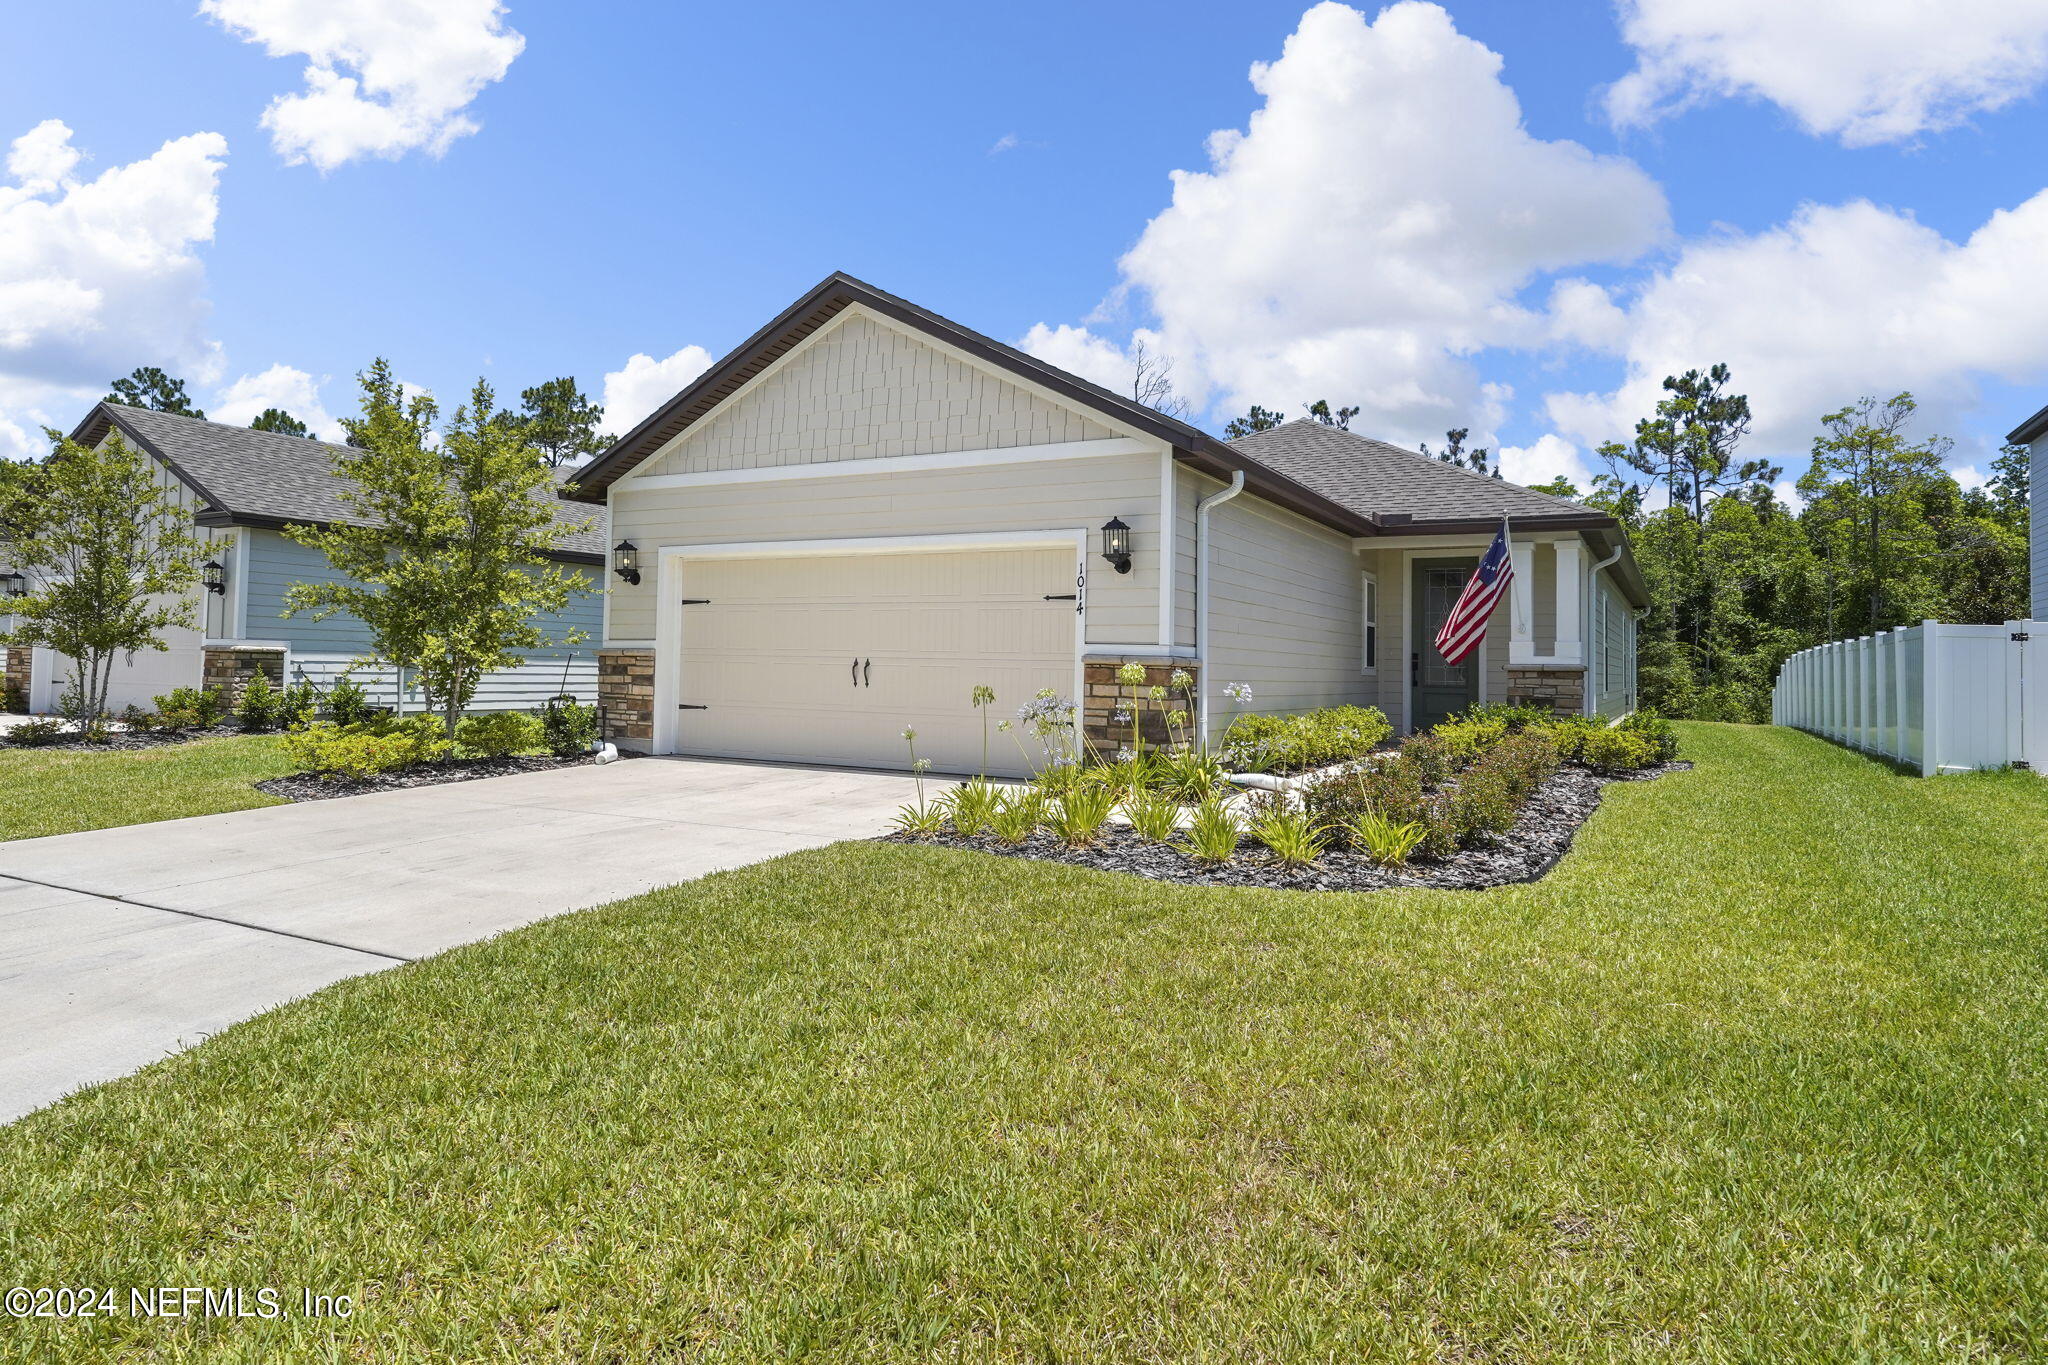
149	387
1454	452
558	422
450	572
1258	419
1865	491
110	559
281	422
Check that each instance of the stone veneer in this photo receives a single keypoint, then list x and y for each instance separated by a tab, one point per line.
1103	696
625	697
14	683
230	667
1563	690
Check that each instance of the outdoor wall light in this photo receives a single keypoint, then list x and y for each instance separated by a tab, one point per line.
214	576
14	584
1116	544
626	561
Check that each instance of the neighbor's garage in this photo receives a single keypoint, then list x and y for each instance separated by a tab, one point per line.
828	659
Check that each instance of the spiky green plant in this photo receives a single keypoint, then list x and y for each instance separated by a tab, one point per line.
1152	815
1214	832
1386	842
1294	838
1080	815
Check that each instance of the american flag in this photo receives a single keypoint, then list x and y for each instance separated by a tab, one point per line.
1465	627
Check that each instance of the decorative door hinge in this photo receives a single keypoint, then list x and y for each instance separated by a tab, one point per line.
696	601
2022	765
2020	637
1063	597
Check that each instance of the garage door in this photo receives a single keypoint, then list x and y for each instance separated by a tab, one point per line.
827	660
141	677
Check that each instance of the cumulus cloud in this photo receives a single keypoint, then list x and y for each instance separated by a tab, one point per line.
644	384
98	276
1866	71
383	77
1841	301
280	386
1549	456
1079	351
1371	227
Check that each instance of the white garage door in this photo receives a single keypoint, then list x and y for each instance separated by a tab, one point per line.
141	677
827	660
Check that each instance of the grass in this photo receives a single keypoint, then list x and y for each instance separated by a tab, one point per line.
1756	1075
60	791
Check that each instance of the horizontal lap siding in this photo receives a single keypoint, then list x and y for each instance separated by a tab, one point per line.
1049	495
1612	633
276	563
573	671
1283	611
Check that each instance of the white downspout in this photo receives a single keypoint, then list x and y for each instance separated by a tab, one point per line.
1202	681
1586	614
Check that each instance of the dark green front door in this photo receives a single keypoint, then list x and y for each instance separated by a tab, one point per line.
1439	688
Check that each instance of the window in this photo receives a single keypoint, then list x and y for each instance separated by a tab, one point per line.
1371	597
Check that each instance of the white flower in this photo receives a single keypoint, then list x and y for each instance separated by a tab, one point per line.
1181	679
908	733
1241	692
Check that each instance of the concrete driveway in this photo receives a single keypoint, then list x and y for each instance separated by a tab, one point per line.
119	946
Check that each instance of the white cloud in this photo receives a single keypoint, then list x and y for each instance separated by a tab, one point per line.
644	384
280	386
99	276
1842	301
1548	457
384	77
1079	351
1866	71
1371	227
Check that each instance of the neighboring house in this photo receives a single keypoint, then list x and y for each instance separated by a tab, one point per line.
243	486
2034	433
865	511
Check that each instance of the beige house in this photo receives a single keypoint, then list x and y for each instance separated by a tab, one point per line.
866	511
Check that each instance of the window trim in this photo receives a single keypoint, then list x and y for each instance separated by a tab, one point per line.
1368	623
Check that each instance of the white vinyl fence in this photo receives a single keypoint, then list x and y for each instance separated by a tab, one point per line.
1936	697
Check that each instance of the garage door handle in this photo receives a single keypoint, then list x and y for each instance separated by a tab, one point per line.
864	670
856	672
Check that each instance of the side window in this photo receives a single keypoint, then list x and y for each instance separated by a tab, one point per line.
1372	621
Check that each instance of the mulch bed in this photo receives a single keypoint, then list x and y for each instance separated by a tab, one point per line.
306	787
129	739
1541	837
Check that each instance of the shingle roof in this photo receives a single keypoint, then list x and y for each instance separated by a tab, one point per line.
1379	479
267	477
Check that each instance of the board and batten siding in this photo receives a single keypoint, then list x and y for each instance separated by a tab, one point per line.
863	389
1611	633
1285	611
1080	493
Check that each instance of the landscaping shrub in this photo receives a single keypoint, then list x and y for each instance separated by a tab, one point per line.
1432	758
568	727
261	706
1314	739
366	750
13	699
1569	734
1393	787
498	734
1190	774
347	703
141	722
1619	750
1654	728
297	704
34	734
1466	740
1525	760
1482	804
1513	717
189	708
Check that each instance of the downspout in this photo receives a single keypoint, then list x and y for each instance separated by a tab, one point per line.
1202	681
1586	615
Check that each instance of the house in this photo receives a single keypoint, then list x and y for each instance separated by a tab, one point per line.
865	511
2034	433
244	487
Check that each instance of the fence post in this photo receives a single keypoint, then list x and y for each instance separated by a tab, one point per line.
1930	698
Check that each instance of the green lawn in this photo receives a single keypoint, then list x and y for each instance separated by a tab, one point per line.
58	791
1760	1073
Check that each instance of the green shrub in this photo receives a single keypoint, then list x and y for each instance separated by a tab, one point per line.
1618	750
347	703
1392	787
568	727
1481	805
138	721
189	708
1569	734
358	751
13	699
1313	739
34	734
1466	740
1525	761
1432	758
1514	717
1188	774
260	706
1654	728
297	704
498	734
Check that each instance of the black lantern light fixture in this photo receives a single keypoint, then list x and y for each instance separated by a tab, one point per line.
626	561
214	577
1116	544
14	583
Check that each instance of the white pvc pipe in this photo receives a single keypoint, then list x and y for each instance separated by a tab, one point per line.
1202	679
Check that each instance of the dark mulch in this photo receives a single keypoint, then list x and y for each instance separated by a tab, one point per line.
129	739
1541	837
306	787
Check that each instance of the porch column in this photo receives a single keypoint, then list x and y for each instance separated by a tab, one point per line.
1570	560
1521	594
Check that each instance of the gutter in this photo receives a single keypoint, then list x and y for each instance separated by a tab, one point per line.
1586	687
1202	680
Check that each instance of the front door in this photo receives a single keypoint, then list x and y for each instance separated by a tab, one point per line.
1440	688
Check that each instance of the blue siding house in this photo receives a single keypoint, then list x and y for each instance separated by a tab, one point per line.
244	487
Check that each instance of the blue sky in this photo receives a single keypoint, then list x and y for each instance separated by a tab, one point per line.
1449	216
